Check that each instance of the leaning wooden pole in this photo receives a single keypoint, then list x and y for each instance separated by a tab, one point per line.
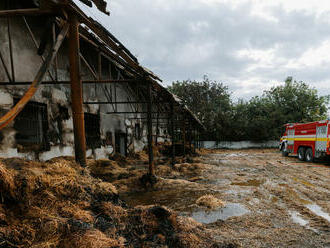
76	92
149	121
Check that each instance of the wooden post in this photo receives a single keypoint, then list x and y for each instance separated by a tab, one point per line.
149	122
190	136
172	134
157	127
184	135
76	92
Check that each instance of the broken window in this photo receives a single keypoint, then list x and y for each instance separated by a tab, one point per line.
92	130
31	126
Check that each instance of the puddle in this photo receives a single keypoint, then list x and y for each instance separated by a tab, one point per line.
316	209
296	218
216	181
238	191
231	209
252	182
178	200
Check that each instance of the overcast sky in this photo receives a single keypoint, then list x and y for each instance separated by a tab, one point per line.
248	45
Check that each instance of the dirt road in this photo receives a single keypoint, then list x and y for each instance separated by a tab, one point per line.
270	201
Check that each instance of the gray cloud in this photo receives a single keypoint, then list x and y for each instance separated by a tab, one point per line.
187	39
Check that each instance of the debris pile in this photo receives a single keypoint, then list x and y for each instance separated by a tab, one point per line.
169	177
60	204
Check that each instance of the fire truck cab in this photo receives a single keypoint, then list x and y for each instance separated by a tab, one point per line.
307	140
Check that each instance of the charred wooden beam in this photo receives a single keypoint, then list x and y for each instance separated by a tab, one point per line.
24	12
69	82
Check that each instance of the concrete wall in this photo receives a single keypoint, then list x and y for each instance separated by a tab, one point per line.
60	132
239	144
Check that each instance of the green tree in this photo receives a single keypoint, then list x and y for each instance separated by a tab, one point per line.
289	103
260	118
211	103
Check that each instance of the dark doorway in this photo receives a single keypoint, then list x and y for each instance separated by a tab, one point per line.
121	143
92	131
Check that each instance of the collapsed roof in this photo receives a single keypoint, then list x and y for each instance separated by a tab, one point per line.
92	15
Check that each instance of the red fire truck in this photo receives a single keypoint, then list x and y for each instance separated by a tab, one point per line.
308	140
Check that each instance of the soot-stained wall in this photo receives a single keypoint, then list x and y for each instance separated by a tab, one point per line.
57	98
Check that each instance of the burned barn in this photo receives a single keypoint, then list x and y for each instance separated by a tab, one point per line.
69	87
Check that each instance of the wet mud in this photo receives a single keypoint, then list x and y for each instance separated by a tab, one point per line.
270	200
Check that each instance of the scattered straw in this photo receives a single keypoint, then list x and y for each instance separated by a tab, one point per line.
210	201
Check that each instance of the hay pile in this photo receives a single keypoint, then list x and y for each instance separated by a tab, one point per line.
107	170
59	204
210	202
182	170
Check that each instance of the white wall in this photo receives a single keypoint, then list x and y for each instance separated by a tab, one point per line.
239	144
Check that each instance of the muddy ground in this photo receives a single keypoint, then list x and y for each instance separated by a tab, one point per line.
269	200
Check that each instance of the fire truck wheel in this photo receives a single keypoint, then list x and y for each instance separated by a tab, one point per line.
309	155
301	153
285	153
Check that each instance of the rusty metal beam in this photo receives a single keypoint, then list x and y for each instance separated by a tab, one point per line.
10	116
76	92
